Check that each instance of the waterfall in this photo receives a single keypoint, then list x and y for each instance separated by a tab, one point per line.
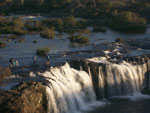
124	78
114	79
73	86
68	90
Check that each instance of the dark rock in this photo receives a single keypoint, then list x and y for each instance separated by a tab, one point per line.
75	64
95	78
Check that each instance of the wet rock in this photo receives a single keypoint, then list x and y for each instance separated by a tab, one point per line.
28	97
95	78
84	65
75	64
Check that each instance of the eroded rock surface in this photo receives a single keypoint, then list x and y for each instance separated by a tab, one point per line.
27	97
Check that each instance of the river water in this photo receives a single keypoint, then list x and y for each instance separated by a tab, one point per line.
72	89
60	43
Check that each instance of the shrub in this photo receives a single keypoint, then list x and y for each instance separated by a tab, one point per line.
13	26
2	44
79	39
33	26
129	22
17	22
42	51
48	33
70	21
84	32
58	23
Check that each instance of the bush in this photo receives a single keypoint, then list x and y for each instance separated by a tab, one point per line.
13	26
84	32
129	22
58	23
42	51
17	22
48	33
70	21
33	26
2	44
79	39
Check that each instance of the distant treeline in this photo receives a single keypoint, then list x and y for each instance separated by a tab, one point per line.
123	15
38	6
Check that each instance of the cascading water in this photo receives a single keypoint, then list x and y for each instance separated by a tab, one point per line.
71	90
68	90
118	79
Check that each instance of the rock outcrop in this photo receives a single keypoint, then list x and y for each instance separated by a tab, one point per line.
27	97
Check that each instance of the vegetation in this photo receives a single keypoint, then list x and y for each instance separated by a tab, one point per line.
129	16
127	21
68	24
86	32
46	27
56	23
70	21
42	51
79	39
48	33
2	44
12	26
33	26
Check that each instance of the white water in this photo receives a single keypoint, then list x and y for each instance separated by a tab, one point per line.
120	79
68	90
71	91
